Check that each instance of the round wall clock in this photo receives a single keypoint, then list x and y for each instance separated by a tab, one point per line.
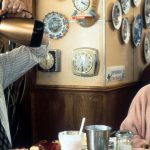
85	12
147	13
126	4
116	15
47	62
56	25
137	2
81	5
137	30
84	8
147	47
51	63
125	30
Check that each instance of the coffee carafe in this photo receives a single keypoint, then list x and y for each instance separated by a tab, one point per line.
25	31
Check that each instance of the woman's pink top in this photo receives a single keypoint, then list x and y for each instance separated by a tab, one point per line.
138	117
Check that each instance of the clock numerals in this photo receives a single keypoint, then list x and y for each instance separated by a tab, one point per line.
82	62
51	63
85	62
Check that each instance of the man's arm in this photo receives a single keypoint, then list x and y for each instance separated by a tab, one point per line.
15	63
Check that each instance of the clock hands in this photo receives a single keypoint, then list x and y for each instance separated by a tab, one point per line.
82	68
84	3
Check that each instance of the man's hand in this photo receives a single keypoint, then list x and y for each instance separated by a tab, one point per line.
45	39
12	6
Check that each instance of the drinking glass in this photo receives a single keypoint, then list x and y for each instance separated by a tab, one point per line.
70	140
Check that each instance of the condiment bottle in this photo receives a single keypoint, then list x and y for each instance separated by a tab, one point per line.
124	140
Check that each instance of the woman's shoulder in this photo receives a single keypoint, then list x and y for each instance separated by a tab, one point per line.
143	93
145	88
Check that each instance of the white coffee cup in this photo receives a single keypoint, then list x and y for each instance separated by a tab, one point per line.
70	140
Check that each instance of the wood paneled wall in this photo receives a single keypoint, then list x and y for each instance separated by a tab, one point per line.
46	110
55	109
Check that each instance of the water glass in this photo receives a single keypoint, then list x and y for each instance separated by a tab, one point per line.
70	140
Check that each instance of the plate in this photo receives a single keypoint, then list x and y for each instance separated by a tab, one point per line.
137	2
125	4
147	13
117	15
56	25
137	30
147	47
125	30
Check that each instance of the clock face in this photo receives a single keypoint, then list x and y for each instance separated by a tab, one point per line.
81	5
82	62
47	62
85	62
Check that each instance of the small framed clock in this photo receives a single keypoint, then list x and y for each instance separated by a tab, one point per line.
85	12
85	62
51	63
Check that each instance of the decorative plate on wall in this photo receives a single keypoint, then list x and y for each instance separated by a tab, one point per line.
137	30
125	4
125	30
117	15
147	13
56	25
137	2
147	47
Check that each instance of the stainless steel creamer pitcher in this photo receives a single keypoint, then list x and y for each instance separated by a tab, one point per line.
97	137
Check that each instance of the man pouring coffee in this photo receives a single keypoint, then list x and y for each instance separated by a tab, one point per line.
13	65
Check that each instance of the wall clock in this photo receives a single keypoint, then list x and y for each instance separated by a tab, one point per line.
85	62
56	25
85	12
117	15
51	63
81	5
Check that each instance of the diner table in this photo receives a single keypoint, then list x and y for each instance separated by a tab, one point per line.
54	146
140	149
82	149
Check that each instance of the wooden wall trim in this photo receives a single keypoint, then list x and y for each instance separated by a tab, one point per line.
86	88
